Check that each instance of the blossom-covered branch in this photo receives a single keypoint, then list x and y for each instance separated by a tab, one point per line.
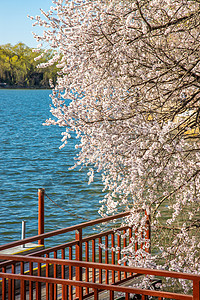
131	71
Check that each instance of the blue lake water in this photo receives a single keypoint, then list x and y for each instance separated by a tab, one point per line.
30	159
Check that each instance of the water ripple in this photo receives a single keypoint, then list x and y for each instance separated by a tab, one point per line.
29	159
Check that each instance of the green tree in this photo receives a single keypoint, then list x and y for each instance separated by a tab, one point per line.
18	67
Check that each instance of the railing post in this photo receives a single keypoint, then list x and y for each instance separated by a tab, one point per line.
3	285
148	230
23	232
78	235
41	214
196	289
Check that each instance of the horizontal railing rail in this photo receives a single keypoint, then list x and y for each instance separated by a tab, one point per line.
84	242
96	287
51	284
63	230
75	242
144	271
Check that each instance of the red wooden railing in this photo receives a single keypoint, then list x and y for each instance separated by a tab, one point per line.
43	286
81	268
82	248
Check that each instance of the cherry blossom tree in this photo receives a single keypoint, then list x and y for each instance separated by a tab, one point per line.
129	87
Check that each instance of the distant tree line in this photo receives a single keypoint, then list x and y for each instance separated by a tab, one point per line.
18	67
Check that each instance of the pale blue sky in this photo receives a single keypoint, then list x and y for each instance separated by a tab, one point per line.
14	25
